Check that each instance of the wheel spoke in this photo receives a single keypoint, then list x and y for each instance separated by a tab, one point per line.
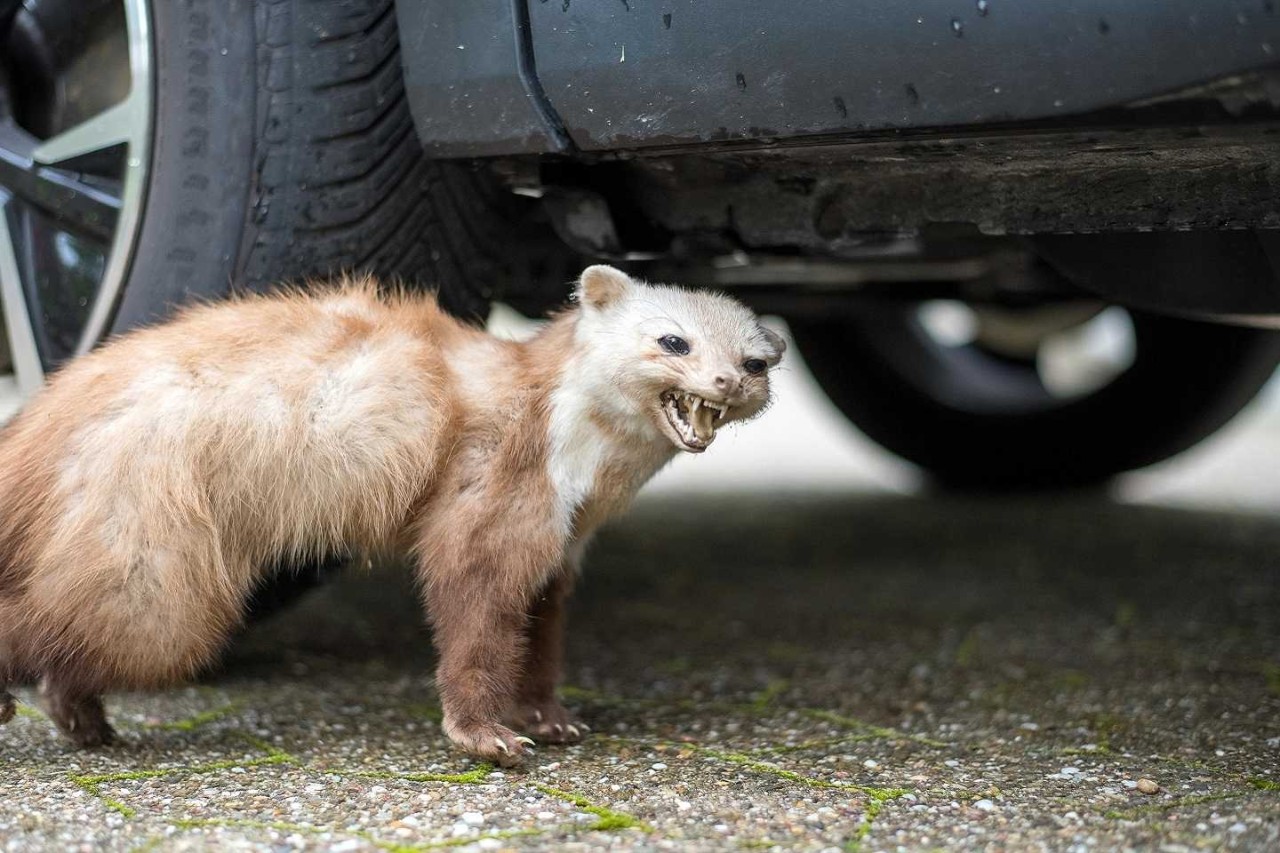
17	319
113	126
63	195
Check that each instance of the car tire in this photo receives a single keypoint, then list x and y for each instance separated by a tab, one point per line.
284	150
926	404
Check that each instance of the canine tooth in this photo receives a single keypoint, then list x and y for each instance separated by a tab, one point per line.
703	422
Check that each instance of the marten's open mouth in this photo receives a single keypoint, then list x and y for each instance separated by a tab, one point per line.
693	418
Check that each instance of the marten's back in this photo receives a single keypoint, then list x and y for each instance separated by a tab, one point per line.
161	471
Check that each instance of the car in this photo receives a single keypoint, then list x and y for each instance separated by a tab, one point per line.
1022	245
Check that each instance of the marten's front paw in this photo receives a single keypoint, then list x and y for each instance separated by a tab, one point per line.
490	741
549	722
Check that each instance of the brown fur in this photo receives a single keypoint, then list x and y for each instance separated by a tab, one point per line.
144	492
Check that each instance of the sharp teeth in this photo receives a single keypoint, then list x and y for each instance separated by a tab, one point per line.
694	404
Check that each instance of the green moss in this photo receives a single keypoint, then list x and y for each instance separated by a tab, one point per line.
1070	679
463	842
1157	808
24	710
471	777
786	653
1270	672
244	823
93	783
764	703
304	829
875	805
751	763
169	771
1107	726
115	805
194	722
1264	784
968	648
803	746
674	666
266	747
872	731
582	694
294	828
1125	614
427	712
765	698
608	820
864	827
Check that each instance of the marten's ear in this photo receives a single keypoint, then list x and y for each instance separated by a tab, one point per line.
776	344
602	286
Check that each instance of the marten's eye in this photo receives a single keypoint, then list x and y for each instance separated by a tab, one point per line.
674	345
754	365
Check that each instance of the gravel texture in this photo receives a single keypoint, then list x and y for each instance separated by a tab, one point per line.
795	673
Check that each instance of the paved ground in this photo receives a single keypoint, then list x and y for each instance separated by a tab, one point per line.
794	672
822	661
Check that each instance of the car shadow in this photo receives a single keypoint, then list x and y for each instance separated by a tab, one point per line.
741	588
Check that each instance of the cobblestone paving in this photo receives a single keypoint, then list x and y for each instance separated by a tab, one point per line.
840	672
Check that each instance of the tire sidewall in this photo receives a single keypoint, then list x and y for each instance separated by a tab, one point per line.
202	155
1188	379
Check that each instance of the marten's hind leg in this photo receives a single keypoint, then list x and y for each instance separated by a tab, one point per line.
8	706
78	714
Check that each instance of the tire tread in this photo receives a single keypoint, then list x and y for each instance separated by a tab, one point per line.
341	180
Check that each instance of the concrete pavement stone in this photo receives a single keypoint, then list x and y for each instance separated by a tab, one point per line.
834	672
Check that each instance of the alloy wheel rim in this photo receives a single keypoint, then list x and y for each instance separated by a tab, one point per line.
74	160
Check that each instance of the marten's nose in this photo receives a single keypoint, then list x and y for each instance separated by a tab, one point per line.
724	382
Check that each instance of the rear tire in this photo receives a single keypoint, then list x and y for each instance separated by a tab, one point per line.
1187	380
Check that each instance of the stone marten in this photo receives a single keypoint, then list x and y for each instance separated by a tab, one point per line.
148	487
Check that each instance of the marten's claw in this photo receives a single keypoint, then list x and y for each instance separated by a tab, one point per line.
491	742
548	722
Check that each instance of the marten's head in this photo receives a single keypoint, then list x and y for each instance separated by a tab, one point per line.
685	361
